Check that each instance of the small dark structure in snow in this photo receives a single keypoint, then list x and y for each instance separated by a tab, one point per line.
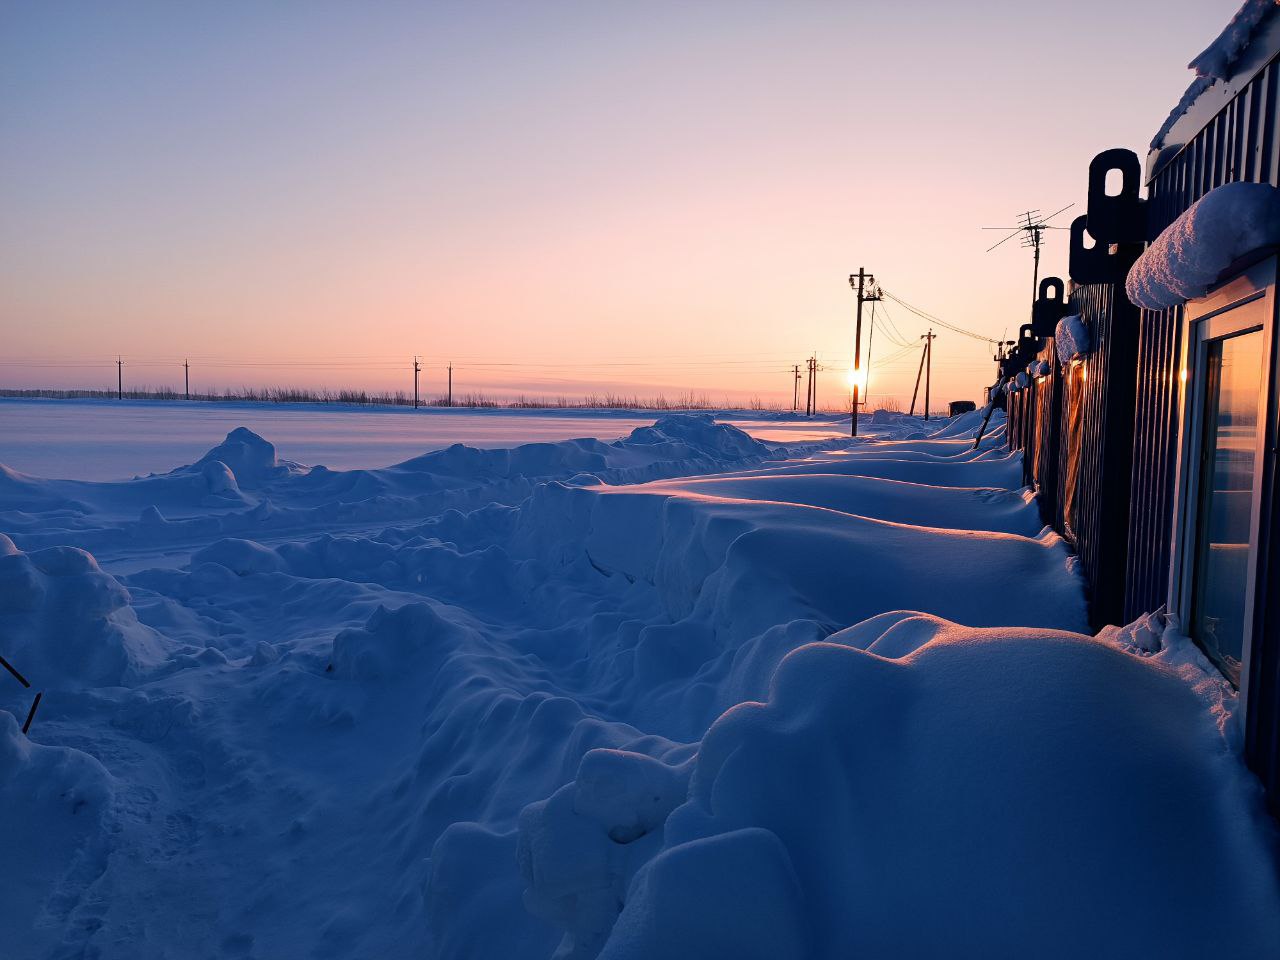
957	407
1149	423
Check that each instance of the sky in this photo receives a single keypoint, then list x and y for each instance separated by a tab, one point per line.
557	198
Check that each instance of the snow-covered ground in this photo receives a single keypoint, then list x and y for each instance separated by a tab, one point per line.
116	440
686	694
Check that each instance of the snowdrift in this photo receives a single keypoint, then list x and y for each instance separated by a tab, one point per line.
482	703
63	620
916	788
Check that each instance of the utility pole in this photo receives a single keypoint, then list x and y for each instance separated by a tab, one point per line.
416	367
795	393
450	401
119	378
186	377
928	367
811	396
916	392
859	283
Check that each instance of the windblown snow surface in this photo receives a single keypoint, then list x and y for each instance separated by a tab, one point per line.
682	695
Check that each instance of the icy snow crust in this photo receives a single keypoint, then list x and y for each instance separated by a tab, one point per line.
1191	253
654	698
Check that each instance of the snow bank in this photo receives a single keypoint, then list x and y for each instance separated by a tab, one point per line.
65	621
912	787
1193	251
57	805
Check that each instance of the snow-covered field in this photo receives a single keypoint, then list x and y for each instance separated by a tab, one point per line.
686	694
117	440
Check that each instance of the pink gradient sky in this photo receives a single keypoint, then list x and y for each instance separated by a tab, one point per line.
634	197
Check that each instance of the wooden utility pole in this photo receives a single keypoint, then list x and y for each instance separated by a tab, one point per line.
119	378
928	367
186	377
795	392
416	367
859	281
916	392
450	400
811	390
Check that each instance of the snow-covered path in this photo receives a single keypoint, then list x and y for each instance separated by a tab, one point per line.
457	707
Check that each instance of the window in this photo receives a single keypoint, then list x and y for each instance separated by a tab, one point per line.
1230	423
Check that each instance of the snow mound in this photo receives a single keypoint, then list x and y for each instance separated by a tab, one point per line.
963	426
1071	339
249	458
56	802
241	557
910	775
1193	251
696	437
578	848
63	619
392	641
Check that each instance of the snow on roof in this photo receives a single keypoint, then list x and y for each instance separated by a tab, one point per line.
1188	257
1217	61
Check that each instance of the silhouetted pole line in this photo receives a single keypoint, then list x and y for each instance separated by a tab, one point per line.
859	283
504	371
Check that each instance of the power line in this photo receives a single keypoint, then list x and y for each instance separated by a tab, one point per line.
924	315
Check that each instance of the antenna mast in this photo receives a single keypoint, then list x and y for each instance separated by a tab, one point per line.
1032	227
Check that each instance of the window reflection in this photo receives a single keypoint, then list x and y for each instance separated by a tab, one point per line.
1231	422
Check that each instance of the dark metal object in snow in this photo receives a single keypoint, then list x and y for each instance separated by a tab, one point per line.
26	684
31	714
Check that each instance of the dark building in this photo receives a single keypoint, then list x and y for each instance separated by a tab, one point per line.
1145	396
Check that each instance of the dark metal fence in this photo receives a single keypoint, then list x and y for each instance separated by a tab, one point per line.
1099	515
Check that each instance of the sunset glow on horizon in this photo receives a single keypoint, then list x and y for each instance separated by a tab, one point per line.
560	200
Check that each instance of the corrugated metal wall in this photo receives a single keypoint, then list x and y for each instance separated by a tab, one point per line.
1155	452
1099	517
1241	143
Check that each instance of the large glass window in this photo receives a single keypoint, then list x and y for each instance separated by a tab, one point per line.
1224	519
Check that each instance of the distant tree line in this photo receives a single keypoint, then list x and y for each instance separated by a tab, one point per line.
398	398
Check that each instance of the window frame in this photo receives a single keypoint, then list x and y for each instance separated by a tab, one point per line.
1207	320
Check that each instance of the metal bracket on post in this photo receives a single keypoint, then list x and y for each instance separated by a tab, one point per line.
1122	217
1050	307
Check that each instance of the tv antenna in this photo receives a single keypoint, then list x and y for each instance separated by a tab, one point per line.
1032	230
